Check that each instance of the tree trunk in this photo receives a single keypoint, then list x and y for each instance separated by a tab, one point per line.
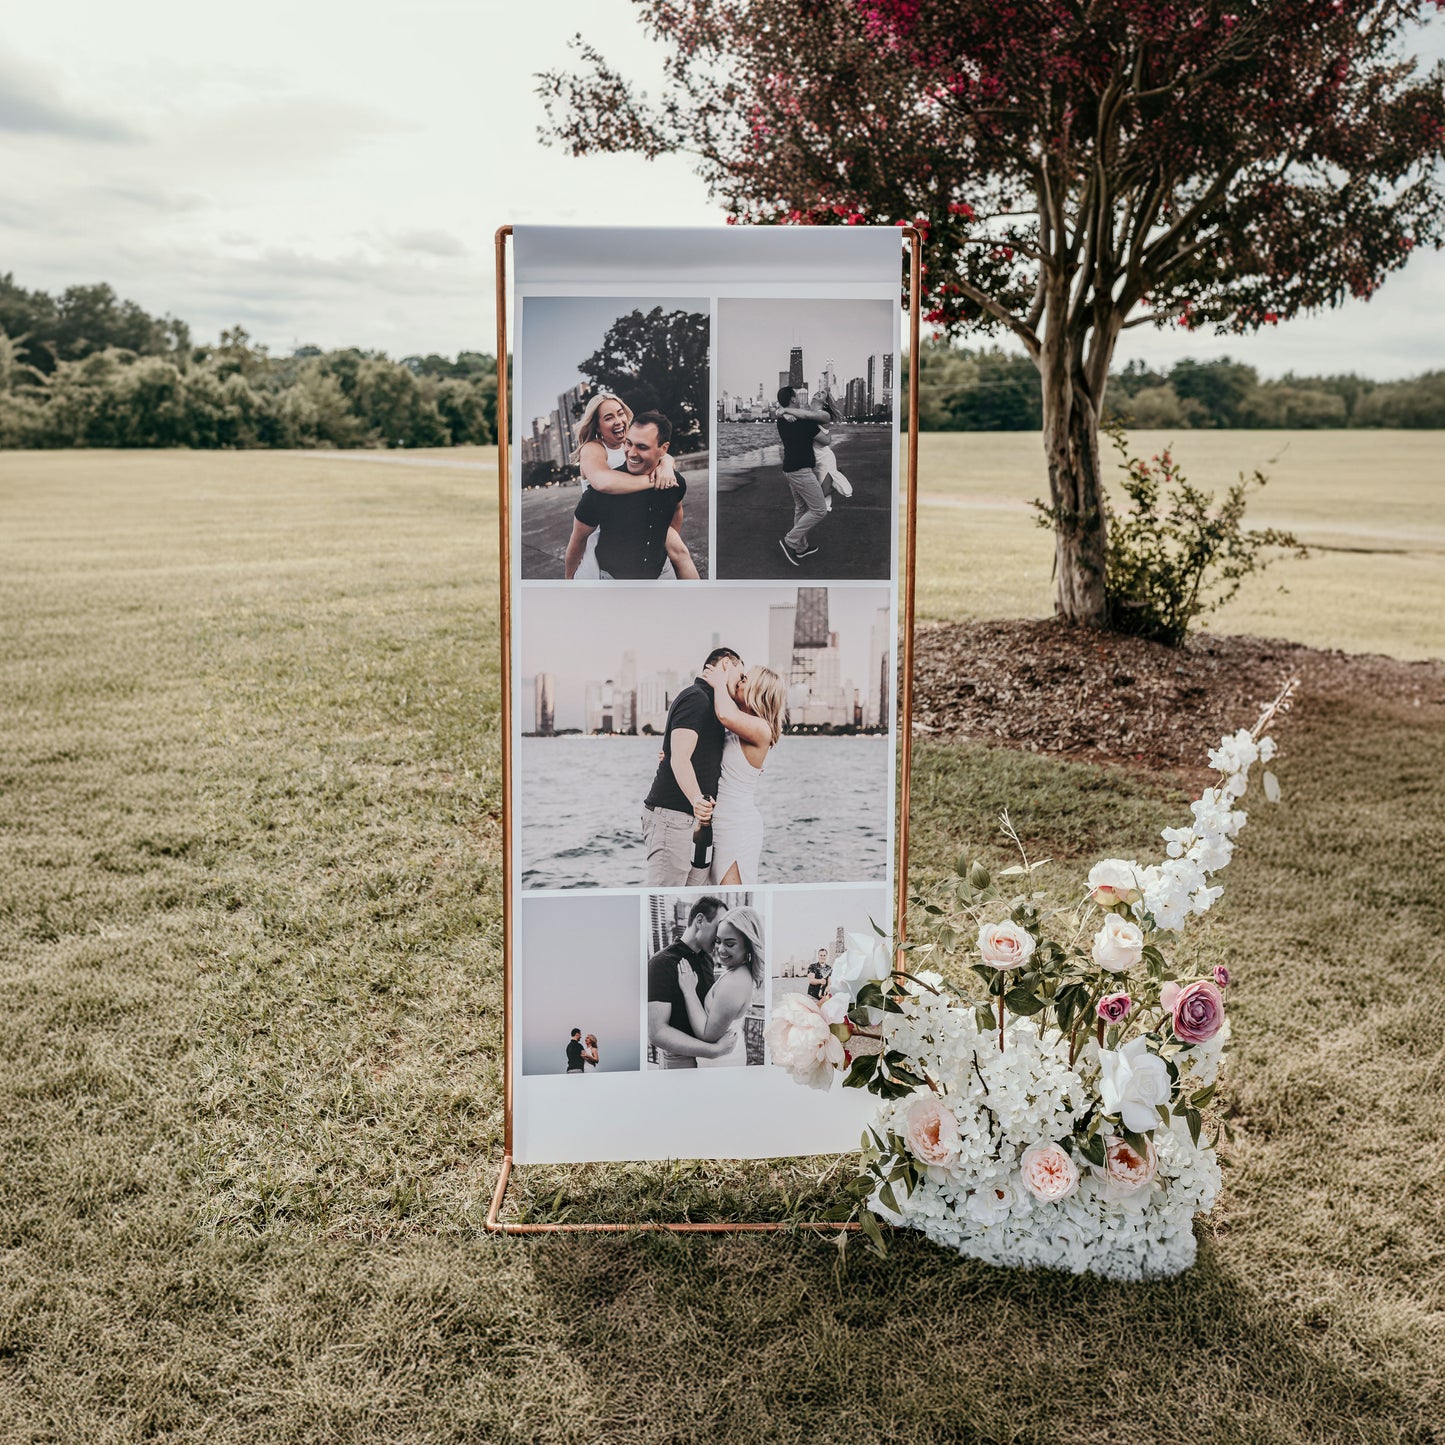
1071	448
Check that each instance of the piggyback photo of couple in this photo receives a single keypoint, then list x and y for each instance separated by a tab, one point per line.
705	737
612	413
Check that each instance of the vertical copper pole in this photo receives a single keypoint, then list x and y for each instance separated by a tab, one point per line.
504	510
910	569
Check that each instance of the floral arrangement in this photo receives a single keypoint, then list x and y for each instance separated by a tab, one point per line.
1061	1118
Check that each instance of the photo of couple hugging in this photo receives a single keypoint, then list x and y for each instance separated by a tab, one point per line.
582	1053
627	525
701	987
700	821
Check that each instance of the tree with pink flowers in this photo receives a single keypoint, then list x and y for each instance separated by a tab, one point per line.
1076	167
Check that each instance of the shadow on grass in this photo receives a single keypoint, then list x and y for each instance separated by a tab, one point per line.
773	1338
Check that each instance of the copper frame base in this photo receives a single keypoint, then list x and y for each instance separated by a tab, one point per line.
494	1224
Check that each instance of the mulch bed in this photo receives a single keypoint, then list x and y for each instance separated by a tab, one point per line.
1048	688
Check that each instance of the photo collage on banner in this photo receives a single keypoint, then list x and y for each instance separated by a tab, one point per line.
704	614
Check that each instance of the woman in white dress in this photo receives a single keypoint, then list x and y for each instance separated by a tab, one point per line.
825	459
753	707
601	434
738	954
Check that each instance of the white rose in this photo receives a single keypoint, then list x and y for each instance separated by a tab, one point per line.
1118	945
869	959
801	1040
1132	1081
1114	881
1005	945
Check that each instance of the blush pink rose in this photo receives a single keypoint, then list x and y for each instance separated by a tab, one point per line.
1048	1172
1115	1008
1168	994
1005	945
932	1132
1221	975
1198	1013
1128	1172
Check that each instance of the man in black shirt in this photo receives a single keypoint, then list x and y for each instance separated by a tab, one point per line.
684	788
797	427
819	972
632	544
574	1053
668	1029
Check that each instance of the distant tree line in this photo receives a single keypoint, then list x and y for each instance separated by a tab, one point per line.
996	390
87	369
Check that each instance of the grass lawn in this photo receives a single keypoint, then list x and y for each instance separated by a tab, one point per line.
1371	505
250	1094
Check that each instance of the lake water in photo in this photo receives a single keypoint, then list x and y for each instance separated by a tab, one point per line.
824	802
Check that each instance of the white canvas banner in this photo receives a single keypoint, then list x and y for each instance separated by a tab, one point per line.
704	611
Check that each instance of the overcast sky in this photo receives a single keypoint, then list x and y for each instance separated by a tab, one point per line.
334	174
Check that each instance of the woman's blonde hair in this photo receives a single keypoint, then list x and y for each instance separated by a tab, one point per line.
766	695
747	923
587	425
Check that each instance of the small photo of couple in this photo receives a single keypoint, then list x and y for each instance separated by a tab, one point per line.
805	438
706	978
611	402
581	999
731	737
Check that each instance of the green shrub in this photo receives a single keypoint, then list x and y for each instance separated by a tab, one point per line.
1172	555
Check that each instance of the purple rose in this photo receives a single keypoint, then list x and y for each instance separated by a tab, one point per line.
1198	1013
1115	1008
1221	975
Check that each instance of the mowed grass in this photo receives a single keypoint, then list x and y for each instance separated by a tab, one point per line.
250	1093
1371	505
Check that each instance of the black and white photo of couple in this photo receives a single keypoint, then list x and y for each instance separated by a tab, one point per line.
612	423
579	983
805	438
706	975
726	737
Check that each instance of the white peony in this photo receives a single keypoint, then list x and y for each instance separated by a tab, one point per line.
1132	1081
869	959
801	1040
1114	881
1118	945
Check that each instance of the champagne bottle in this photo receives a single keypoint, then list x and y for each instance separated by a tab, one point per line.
702	846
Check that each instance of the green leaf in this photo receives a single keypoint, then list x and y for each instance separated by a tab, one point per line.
1021	1001
1139	1143
1195	1121
1091	1146
984	1017
1203	1096
1163	1111
861	1072
978	876
875	1235
889	1198
987	974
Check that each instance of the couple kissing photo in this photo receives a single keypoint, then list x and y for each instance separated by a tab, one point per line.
725	736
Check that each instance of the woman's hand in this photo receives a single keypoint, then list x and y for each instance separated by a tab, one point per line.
686	977
664	474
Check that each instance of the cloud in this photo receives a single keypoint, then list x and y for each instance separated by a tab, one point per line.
429	243
32	105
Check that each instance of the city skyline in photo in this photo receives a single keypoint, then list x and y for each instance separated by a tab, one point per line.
845	651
